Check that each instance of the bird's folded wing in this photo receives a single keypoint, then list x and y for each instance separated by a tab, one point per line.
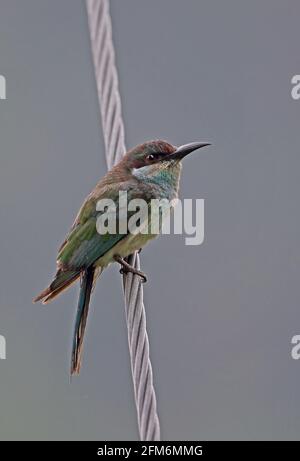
84	244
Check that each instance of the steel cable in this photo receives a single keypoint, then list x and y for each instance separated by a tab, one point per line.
114	139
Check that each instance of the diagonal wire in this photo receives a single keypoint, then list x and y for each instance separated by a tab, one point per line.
114	139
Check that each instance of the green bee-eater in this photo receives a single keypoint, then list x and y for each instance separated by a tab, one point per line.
149	171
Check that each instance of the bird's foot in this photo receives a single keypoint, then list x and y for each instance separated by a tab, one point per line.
128	268
134	271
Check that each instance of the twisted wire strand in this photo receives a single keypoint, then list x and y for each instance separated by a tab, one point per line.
114	139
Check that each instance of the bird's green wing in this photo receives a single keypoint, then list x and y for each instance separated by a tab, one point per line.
87	211
84	245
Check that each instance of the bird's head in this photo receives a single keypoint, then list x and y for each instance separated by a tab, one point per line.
158	152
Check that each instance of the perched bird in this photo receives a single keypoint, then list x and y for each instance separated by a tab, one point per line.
149	171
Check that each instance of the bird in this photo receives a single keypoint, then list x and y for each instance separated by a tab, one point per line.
149	171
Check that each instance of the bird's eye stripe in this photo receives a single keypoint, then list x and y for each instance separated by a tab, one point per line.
157	154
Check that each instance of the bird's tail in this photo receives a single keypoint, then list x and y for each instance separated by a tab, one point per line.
87	282
62	280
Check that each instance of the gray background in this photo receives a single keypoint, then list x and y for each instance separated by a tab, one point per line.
221	315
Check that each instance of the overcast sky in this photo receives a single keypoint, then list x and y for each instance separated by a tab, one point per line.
220	315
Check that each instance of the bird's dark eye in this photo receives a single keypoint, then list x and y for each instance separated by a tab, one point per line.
150	157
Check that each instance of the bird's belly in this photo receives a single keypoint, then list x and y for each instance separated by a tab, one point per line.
133	242
128	245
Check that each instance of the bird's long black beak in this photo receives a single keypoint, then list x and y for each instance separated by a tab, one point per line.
186	149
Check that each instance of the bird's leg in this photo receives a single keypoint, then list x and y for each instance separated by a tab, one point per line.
128	268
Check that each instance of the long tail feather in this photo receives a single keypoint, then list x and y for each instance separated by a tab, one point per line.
81	318
62	280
